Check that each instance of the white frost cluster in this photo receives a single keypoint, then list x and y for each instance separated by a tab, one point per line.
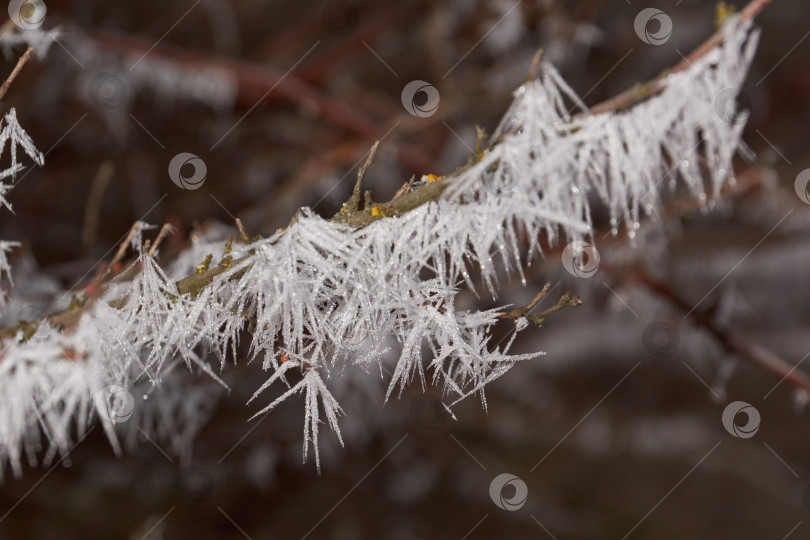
690	130
12	132
321	298
38	39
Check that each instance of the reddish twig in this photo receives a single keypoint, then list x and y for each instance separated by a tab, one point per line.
255	80
730	340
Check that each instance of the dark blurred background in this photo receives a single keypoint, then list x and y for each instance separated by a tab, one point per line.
616	432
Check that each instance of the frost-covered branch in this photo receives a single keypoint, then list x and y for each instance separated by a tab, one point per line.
643	91
324	296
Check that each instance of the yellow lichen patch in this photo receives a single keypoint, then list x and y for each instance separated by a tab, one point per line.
75	303
431	177
377	211
724	11
203	266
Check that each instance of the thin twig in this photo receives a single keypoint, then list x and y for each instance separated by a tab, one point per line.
521	311
406	187
16	71
242	232
538	57
354	201
566	300
257	79
730	340
164	231
93	206
122	248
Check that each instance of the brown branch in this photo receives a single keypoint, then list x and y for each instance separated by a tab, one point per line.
16	71
566	300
